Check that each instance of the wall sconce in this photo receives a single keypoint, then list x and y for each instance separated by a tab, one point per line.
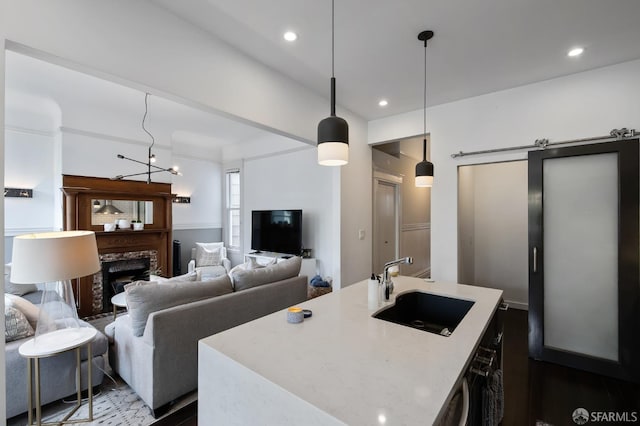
18	193
182	200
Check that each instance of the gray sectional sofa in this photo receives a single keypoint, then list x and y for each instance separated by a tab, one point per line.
154	348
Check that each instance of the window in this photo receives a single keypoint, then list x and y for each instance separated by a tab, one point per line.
233	208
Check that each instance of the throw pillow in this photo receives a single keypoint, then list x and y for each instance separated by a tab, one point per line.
288	268
28	309
16	325
209	257
17	289
209	246
144	298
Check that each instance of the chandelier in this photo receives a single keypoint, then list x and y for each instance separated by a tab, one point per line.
151	158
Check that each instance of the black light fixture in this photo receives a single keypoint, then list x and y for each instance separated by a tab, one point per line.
333	132
151	158
424	169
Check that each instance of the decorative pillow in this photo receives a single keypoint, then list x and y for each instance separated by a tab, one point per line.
17	289
16	325
144	298
288	268
209	257
200	247
28	309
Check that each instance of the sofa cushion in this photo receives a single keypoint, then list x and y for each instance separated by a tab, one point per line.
190	276
248	278
16	325
29	310
17	289
144	298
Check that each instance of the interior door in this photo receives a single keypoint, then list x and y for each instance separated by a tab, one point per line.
583	258
386	224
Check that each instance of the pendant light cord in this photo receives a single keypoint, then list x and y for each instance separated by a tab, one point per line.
424	145
333	71
146	110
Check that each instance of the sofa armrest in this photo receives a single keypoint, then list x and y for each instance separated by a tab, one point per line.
227	264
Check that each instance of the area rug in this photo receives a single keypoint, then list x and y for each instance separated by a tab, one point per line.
116	404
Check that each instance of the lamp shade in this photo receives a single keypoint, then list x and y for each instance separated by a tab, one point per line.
424	174
54	256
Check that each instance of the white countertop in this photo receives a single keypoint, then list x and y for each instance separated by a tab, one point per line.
355	368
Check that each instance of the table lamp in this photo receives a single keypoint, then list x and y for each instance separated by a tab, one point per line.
55	258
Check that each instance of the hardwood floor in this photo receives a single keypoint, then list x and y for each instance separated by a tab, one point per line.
547	393
535	392
186	416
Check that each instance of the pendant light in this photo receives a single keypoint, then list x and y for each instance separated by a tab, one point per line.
424	169
333	132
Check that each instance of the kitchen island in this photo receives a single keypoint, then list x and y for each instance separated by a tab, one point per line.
341	366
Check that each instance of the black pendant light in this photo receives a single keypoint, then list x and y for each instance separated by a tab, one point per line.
333	132
424	169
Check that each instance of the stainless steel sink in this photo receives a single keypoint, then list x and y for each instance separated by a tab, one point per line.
426	311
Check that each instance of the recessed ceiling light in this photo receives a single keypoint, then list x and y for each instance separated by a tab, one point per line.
383	102
576	51
290	36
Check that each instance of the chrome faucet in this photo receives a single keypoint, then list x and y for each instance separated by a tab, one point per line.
386	279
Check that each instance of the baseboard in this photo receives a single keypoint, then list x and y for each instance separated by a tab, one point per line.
425	273
517	305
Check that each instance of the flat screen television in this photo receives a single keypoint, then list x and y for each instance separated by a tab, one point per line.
278	231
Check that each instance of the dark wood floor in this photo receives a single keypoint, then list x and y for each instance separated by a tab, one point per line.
544	393
535	392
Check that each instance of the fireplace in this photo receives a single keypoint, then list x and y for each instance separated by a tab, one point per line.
152	242
118	273
119	269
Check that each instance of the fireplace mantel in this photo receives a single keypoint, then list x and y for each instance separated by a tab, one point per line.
79	191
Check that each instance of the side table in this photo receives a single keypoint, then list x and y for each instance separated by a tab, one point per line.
118	301
51	344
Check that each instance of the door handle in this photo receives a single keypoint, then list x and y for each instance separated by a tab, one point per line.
535	259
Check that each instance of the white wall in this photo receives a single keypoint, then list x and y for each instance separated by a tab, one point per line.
202	181
355	201
580	105
295	181
29	162
3	388
493	228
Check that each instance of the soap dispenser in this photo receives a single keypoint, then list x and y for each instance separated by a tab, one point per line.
373	292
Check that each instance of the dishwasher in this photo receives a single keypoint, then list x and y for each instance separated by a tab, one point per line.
479	399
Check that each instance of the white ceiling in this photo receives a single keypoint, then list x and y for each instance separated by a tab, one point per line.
479	47
76	93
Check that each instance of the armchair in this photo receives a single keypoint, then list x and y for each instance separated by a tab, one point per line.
209	260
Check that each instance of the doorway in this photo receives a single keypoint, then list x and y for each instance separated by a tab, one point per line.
385	220
492	228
